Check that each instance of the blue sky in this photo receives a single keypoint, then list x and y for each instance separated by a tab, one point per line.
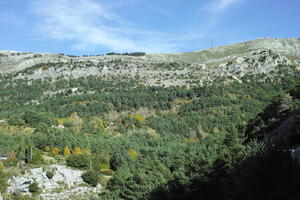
154	26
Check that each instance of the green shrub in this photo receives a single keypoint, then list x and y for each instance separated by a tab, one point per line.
34	187
3	181
101	161
91	177
107	172
15	120
49	174
79	161
35	118
10	163
68	124
20	196
37	158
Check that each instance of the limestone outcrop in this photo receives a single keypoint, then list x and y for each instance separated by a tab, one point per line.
65	183
260	56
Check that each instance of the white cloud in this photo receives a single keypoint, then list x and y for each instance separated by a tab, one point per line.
221	5
91	25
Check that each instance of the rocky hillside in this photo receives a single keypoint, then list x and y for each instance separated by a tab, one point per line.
258	56
65	183
109	127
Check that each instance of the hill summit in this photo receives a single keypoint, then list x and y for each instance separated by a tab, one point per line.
261	56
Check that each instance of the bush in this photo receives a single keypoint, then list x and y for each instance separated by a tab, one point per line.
16	120
37	158
10	163
34	118
34	187
68	124
47	149
3	181
49	174
79	161
101	161
91	177
107	172
20	196
55	151
2	166
132	153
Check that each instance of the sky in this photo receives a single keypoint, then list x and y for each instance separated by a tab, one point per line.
93	27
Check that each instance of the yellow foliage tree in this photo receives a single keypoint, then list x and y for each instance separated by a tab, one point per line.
216	130
77	151
47	149
139	118
143	86
55	151
132	153
59	121
67	151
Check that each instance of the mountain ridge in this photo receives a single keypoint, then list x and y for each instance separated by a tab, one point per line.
261	56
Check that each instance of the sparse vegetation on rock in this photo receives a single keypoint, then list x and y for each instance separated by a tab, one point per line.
91	177
50	174
34	187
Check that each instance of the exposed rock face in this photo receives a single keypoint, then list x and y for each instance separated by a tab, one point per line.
64	184
19	184
257	62
258	56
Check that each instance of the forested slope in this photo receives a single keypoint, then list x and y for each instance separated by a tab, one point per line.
141	141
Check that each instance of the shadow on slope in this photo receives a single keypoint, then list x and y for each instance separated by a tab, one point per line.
268	175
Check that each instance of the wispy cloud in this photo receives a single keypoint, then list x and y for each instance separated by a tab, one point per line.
90	25
221	5
214	13
11	18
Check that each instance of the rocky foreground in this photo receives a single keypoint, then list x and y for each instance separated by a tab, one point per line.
65	183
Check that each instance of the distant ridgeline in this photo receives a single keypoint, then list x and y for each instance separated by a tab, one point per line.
127	54
108	54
